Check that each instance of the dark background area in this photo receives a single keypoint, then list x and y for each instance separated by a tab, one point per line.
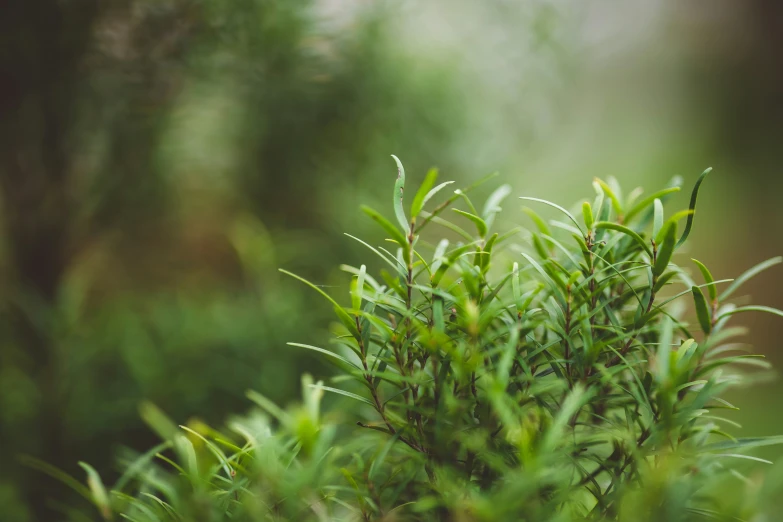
160	159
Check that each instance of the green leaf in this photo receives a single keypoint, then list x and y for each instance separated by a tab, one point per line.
752	308
598	203
657	217
358	289
165	505
98	491
707	279
646	202
665	253
344	393
625	230
748	359
138	465
702	310
558	207
424	188
508	353
486	255
268	406
57	474
448	261
393	283
663	357
459	193
325	352
692	206
481	225
539	246
158	421
187	453
587	213
492	206
440	252
455	228
217	452
677	296
746	457
399	187
749	274
662	280
341	313
570	406
674	219
434	191
355	486
746	443
540	224
393	263
618	209
551	282
381	457
390	229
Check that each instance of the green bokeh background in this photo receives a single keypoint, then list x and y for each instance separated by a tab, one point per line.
162	158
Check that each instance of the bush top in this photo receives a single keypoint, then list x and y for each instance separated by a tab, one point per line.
572	371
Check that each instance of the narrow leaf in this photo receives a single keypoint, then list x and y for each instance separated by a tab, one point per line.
492	206
702	311
424	188
399	187
625	230
663	357
587	213
158	421
665	253
749	274
325	352
434	191
356	294
99	495
674	219
646	202
558	207
540	224
341	313
390	229
618	209
707	279
692	206
344	393
481	225
746	443
657	217
57	474
267	405
752	308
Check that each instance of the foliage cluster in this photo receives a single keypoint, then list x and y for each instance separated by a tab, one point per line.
554	374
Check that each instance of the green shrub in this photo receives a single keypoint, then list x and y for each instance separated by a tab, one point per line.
481	380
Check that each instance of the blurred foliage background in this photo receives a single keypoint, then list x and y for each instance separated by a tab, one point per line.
160	159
